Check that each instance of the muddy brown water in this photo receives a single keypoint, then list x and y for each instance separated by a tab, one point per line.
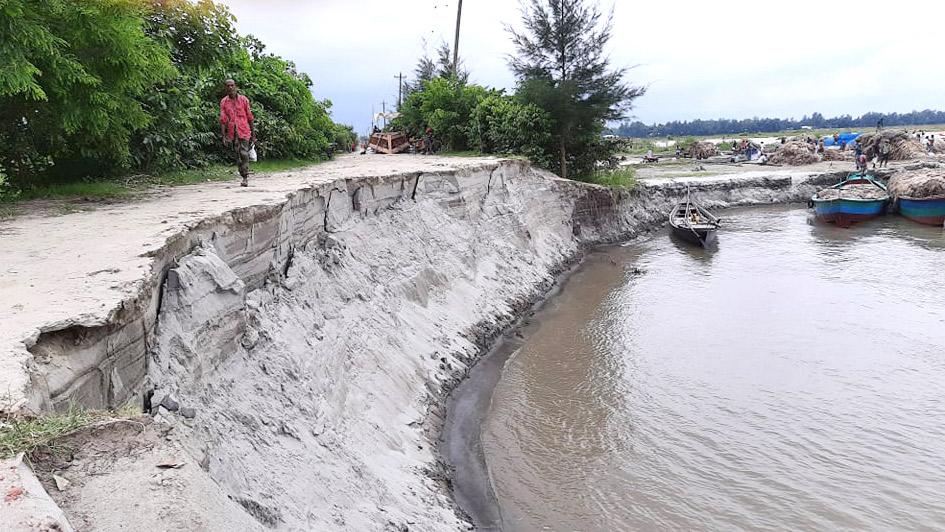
794	378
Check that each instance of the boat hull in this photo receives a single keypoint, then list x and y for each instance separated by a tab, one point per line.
699	237
928	211
845	212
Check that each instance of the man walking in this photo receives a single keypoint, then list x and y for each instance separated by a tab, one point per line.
236	127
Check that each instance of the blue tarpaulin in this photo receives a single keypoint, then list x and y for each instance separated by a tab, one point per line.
844	137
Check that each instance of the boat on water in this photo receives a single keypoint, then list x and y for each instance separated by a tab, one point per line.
693	223
857	198
928	211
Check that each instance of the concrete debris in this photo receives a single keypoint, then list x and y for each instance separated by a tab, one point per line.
61	483
26	505
188	412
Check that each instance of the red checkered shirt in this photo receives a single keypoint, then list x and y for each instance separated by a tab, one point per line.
236	116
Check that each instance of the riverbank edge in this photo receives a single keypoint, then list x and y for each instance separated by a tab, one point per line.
601	216
468	470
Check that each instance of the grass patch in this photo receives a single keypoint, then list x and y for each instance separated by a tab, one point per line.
22	435
624	177
80	189
119	188
464	153
196	175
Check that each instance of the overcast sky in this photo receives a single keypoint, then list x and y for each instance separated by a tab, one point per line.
699	59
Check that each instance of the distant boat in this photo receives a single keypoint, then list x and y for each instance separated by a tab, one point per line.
929	211
692	223
858	198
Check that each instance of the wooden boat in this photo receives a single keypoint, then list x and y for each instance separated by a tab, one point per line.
846	205
389	143
929	211
692	223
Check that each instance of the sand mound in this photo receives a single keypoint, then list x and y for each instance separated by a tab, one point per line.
918	184
838	155
858	191
794	154
902	146
703	150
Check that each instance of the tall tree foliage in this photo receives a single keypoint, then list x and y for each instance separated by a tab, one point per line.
202	41
98	87
724	126
428	68
562	68
71	73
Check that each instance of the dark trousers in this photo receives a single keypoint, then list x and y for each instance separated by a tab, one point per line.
241	154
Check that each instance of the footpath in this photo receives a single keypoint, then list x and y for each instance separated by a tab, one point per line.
77	269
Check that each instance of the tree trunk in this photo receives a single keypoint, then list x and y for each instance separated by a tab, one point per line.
564	161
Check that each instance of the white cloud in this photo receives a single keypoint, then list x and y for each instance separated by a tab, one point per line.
700	59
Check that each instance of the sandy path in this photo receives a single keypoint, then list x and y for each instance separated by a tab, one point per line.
79	268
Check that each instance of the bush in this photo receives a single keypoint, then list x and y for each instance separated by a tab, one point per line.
445	105
69	86
623	177
97	88
503	125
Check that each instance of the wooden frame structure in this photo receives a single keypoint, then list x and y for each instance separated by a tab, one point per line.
389	143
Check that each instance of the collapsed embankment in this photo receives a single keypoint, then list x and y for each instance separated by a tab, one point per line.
302	348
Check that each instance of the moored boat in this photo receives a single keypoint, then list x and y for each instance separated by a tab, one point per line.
929	211
858	198
694	224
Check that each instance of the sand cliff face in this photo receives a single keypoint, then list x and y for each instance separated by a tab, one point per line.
303	348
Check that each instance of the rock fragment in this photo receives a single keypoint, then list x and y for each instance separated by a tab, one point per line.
170	403
61	483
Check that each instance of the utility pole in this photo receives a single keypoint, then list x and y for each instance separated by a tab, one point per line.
384	111
459	17
400	90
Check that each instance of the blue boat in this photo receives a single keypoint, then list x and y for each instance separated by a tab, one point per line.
844	211
929	211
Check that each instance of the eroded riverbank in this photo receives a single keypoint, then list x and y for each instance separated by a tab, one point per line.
299	337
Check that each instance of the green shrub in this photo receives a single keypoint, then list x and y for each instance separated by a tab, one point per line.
503	125
445	105
104	87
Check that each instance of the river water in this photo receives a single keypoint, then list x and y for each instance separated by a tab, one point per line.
794	378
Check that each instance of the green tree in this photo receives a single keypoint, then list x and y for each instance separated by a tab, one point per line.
290	122
562	67
446	106
71	75
502	124
200	39
428	69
